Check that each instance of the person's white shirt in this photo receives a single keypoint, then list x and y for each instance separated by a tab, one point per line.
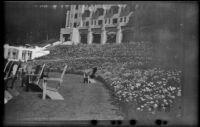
14	69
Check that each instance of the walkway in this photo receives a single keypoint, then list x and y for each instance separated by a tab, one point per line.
82	102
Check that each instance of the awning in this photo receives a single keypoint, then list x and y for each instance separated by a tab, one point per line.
96	30
111	29
83	31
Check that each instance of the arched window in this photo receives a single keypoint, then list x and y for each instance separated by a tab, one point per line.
115	9
86	13
100	11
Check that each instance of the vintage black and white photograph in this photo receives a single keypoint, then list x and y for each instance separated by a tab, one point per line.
121	63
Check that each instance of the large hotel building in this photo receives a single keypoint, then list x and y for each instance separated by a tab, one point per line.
95	23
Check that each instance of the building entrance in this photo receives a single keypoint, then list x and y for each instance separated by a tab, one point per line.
111	38
96	38
83	38
66	37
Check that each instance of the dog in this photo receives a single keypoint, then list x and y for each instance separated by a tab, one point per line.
87	78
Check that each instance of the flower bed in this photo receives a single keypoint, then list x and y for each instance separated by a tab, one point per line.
150	89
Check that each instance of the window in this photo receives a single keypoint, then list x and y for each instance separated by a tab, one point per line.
121	19
87	23
114	20
8	54
29	55
124	19
115	9
86	13
105	21
100	22
14	55
23	55
100	11
76	16
76	7
75	25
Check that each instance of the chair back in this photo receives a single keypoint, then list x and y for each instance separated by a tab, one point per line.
8	72
6	66
63	73
40	74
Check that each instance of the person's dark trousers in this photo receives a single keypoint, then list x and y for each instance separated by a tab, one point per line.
27	83
5	84
13	82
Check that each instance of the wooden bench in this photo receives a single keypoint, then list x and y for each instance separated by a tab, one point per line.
50	91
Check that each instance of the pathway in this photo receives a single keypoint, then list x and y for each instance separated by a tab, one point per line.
82	102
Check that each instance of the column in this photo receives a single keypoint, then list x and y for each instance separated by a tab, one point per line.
67	19
11	53
19	53
26	56
103	36
61	38
75	36
119	35
120	9
90	37
5	52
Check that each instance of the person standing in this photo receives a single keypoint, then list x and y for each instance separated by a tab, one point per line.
29	68
14	73
23	75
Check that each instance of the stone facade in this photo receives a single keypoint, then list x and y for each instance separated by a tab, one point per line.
87	20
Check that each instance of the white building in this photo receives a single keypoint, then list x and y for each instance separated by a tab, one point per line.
23	53
95	23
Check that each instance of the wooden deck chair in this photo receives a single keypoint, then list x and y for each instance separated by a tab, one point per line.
6	66
12	72
37	76
53	92
8	70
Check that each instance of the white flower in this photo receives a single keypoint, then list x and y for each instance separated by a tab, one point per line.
149	109
179	93
173	97
138	84
155	105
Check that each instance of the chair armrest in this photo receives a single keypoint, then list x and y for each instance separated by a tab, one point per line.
32	74
53	79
